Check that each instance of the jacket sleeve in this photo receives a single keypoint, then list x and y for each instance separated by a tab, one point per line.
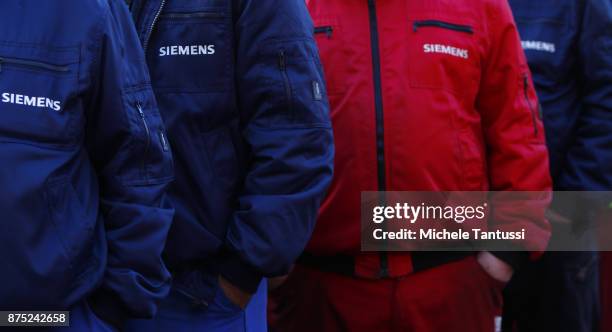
127	145
285	121
516	150
589	159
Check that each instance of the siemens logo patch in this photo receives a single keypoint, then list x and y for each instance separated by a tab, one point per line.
39	102
536	45
445	49
186	50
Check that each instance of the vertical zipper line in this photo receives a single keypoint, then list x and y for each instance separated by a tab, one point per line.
378	104
150	32
533	115
282	64
148	133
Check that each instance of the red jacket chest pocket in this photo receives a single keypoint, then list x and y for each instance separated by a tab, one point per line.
443	54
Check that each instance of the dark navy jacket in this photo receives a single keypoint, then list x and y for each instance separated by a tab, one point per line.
569	47
241	90
85	161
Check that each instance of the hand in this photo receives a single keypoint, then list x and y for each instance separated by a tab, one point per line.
234	294
495	267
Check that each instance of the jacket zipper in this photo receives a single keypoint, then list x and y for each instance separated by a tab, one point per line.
533	113
378	103
443	25
325	29
148	132
192	15
33	64
155	19
282	64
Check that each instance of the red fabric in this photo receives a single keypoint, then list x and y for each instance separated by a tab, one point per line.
450	123
606	291
454	297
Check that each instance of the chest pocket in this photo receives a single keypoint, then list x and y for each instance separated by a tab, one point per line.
335	55
547	43
443	55
38	89
191	50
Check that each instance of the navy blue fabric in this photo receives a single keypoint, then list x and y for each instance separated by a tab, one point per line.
250	129
558	293
568	44
574	84
83	214
178	313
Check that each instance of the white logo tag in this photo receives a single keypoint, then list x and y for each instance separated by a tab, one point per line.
186	50
541	46
39	102
445	49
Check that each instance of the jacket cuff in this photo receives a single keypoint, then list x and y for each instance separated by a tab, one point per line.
108	308
239	273
516	259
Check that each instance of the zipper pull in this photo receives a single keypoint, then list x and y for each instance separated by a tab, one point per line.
281	60
140	111
316	90
164	141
